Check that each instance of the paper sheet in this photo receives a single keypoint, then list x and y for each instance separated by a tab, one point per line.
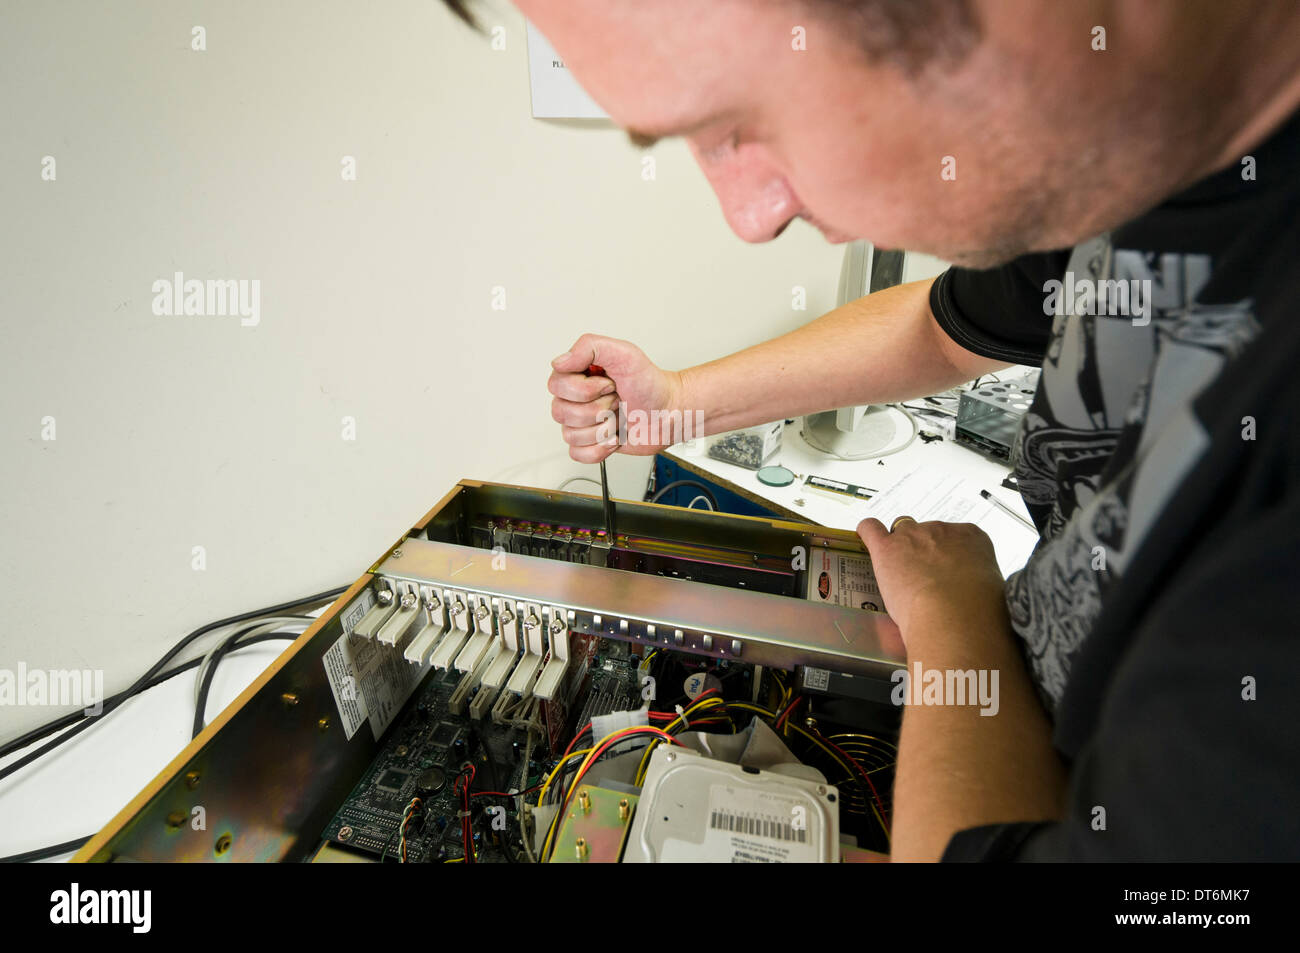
556	94
927	494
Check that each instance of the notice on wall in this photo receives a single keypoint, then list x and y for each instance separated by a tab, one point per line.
556	94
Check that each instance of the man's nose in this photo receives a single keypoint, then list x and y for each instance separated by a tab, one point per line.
757	202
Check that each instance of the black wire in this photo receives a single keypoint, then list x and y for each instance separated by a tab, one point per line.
36	734
201	702
73	717
41	853
144	679
504	839
708	495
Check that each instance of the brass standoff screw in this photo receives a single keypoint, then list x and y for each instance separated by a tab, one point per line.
584	801
624	809
289	699
324	723
191	779
580	847
175	820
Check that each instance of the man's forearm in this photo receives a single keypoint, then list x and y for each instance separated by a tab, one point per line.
883	348
957	768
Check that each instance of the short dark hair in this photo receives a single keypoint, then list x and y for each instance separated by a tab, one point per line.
461	9
908	34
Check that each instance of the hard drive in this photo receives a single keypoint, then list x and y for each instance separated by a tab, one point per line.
698	810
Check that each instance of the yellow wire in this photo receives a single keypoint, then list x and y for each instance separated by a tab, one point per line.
577	754
785	692
711	702
582	768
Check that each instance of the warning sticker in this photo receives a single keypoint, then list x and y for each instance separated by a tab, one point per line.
343	683
370	682
842	579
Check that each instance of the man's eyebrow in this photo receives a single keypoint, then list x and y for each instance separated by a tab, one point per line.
642	140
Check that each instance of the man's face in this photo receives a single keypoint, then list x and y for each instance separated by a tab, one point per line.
972	162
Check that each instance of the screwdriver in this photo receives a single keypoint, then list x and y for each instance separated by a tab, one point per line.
598	371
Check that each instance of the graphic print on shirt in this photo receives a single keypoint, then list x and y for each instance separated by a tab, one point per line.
1109	436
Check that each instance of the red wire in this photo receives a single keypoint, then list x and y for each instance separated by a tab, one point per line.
780	720
595	756
463	782
569	750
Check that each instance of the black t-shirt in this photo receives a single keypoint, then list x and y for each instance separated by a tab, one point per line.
1160	459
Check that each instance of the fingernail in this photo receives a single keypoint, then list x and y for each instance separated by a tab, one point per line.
608	390
561	359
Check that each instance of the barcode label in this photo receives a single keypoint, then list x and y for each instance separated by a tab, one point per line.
757	826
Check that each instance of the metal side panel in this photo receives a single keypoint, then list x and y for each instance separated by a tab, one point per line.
268	772
754	627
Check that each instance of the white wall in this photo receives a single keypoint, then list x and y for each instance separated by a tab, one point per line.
176	432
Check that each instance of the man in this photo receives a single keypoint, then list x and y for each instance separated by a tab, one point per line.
1116	184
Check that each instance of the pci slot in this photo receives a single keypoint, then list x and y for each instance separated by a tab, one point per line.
435	613
651	611
526	672
508	652
461	619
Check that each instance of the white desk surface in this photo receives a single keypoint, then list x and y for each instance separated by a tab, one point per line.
920	462
76	789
